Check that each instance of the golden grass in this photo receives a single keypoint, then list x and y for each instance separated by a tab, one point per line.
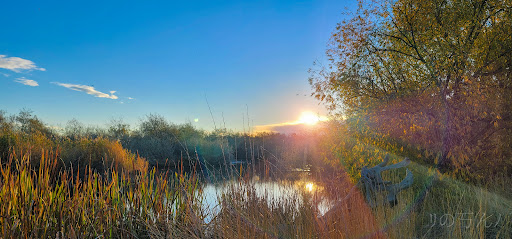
48	203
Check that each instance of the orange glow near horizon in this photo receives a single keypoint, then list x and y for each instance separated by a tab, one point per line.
306	118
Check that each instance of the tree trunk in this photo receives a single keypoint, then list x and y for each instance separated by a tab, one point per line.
444	163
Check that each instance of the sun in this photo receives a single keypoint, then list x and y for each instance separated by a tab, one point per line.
308	118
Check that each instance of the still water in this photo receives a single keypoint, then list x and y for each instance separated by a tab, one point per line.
270	190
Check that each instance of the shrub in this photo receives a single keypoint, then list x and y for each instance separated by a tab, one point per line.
101	154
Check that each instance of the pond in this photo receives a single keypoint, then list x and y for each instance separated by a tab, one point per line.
273	191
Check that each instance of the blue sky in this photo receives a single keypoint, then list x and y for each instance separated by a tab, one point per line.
63	59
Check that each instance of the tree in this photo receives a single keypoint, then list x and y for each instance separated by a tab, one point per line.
74	129
444	64
118	130
5	123
30	124
156	126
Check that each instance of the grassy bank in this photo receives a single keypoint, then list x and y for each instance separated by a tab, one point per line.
440	206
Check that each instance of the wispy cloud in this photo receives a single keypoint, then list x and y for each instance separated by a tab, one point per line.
130	98
26	81
17	64
88	90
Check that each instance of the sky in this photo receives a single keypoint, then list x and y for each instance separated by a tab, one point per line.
96	61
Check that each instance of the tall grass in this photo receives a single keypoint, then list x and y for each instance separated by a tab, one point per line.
247	211
47	203
436	206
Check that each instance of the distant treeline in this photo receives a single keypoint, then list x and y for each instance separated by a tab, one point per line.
154	142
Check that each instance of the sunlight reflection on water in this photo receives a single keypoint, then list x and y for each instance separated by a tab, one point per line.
310	187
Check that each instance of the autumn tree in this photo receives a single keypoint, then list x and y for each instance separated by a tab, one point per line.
433	73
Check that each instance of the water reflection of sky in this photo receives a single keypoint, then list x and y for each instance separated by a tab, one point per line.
273	191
